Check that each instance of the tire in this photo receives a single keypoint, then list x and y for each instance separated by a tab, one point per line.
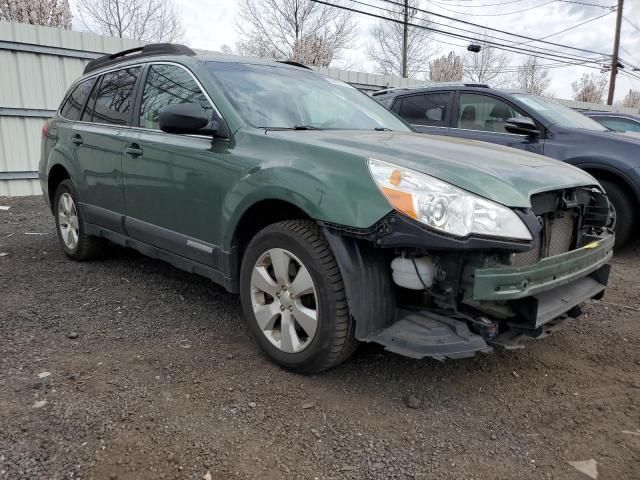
625	211
302	247
85	247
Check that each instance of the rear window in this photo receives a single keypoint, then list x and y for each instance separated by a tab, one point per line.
429	109
114	97
72	107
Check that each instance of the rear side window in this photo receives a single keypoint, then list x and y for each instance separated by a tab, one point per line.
431	109
384	100
168	85
114	97
619	124
75	102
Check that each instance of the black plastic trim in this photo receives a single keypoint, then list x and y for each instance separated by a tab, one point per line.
157	253
138	52
399	231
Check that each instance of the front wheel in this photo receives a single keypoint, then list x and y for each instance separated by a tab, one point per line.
293	298
623	209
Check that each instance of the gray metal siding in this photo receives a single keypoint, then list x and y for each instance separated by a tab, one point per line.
38	64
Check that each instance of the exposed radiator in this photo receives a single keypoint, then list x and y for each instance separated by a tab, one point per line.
557	233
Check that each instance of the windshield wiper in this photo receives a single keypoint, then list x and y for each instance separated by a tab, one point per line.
305	127
295	127
383	129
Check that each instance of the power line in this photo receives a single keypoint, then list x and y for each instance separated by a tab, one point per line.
479	6
631	23
610	7
570	28
493	14
494	29
554	55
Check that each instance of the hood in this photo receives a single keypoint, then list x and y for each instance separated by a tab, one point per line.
505	175
634	135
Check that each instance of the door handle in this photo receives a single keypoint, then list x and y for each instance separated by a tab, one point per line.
76	140
133	150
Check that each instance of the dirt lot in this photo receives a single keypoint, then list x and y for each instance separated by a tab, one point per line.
148	372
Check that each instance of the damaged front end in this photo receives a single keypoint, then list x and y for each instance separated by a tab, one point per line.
421	293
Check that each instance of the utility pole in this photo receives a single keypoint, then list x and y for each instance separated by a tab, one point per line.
405	38
614	57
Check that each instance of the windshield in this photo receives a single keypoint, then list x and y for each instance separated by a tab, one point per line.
559	114
269	96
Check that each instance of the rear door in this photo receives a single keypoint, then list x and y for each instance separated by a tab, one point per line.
98	140
480	116
426	112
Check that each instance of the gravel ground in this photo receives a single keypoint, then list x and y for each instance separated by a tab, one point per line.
129	368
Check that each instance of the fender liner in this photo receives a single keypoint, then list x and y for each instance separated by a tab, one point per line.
366	273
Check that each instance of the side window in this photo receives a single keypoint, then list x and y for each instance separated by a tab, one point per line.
386	101
75	102
429	109
619	124
114	97
167	85
480	112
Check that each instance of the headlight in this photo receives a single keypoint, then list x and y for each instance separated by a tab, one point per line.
443	206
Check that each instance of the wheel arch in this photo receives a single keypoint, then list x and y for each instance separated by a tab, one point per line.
57	174
613	175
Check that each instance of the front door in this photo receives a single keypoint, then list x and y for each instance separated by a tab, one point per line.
173	183
483	117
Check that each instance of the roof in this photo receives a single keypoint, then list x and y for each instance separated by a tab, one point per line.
431	86
601	113
171	49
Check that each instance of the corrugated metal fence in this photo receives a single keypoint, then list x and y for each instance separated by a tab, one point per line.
37	65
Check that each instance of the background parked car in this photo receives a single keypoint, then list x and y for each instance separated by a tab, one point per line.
620	122
532	123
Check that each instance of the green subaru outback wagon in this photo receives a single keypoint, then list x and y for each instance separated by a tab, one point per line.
332	219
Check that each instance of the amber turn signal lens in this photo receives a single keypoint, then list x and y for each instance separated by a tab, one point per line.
401	201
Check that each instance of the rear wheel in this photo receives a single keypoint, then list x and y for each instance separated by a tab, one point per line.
293	298
74	240
624	210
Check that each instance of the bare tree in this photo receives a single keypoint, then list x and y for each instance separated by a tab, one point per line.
148	20
446	68
591	87
246	49
532	77
488	65
632	99
385	49
50	13
299	30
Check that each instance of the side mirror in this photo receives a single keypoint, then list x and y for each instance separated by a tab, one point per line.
191	118
522	126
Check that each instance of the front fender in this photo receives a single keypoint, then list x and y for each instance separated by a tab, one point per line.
618	169
346	199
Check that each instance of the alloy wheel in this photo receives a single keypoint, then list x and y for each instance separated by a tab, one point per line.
284	300
68	221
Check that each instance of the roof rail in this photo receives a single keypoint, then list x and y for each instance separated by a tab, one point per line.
138	52
432	85
295	64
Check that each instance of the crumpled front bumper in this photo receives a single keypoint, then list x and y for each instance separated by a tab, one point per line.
513	283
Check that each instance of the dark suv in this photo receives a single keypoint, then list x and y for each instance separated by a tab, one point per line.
531	123
332	219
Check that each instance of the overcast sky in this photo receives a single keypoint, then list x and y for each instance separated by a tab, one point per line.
210	24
